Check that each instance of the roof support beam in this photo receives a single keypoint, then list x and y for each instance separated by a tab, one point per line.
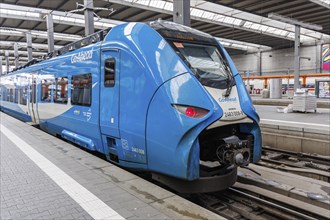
7	60
24	45
29	45
1	72
22	53
50	32
296	58
181	12
319	57
16	54
89	17
294	22
259	63
37	34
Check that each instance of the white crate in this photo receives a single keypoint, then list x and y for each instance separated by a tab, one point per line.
304	102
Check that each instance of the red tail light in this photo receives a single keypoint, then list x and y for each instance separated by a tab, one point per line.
191	111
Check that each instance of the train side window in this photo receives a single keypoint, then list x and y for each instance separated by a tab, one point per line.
11	95
61	90
16	95
23	96
81	89
45	91
32	93
7	94
109	72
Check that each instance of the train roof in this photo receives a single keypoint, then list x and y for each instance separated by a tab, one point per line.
165	28
176	31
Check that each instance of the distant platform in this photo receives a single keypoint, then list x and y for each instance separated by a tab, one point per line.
257	100
269	113
296	131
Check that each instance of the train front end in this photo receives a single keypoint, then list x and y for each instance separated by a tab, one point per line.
211	126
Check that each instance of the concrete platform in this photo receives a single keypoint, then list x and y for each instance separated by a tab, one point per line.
319	119
43	177
257	100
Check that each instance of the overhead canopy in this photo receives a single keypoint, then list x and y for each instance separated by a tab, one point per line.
241	25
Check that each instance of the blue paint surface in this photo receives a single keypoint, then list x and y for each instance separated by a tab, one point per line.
135	120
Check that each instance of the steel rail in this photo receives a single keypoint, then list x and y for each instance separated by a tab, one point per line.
287	210
325	160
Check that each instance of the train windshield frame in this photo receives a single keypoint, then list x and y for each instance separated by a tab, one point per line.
206	62
181	38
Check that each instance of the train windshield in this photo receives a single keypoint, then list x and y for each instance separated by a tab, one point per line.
207	63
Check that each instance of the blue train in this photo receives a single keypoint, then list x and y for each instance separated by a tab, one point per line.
159	97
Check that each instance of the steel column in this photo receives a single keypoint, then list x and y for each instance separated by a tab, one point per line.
296	57
89	17
7	60
50	32
319	57
1	72
259	63
181	12
29	45
16	54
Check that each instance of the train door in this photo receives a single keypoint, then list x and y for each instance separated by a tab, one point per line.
33	99
109	93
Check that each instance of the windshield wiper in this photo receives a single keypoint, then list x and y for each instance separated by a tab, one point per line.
230	85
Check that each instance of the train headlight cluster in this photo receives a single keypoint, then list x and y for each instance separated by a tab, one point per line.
191	111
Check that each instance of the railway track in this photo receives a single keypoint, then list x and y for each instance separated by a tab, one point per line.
304	164
236	204
290	186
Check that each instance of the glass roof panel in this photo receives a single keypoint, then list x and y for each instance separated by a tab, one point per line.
247	24
196	12
255	26
168	6
263	27
157	4
207	15
143	2
290	35
219	18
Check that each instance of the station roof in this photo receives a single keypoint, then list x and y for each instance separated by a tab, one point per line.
241	25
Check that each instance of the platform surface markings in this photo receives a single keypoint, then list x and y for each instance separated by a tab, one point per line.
95	207
294	122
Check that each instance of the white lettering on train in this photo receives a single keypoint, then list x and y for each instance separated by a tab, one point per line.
82	56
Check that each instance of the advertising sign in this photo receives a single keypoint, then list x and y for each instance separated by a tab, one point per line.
326	57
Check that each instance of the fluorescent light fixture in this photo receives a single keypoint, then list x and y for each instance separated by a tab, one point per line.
157	4
38	34
249	47
294	22
23	52
19	13
24	45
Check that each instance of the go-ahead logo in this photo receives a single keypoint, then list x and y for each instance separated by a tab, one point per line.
228	99
82	56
